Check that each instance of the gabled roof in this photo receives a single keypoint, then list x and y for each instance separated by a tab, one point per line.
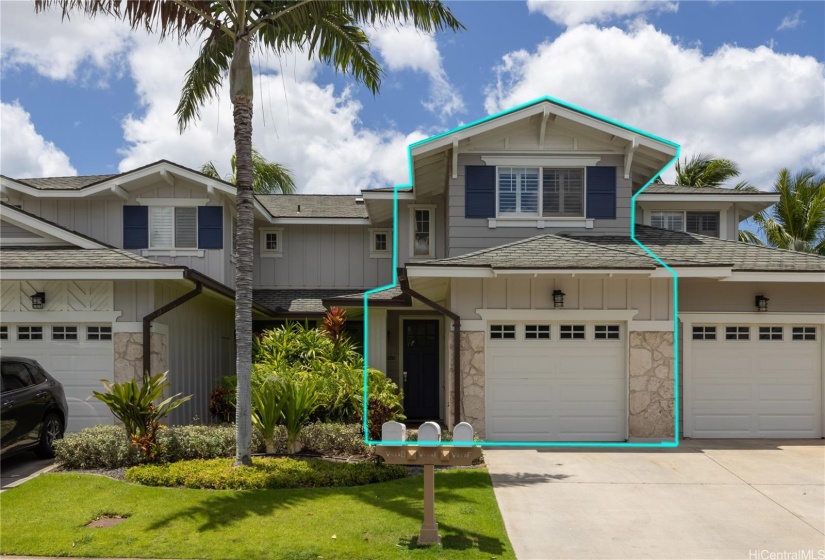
308	302
314	206
74	258
29	221
549	252
656	188
678	248
64	183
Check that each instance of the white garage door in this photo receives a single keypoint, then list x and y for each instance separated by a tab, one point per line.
78	356
755	381
556	382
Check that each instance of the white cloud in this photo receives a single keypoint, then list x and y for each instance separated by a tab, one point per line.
572	13
58	49
24	152
406	48
758	107
311	128
791	21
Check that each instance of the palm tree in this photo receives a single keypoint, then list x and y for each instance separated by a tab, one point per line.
267	177
331	31
705	170
797	221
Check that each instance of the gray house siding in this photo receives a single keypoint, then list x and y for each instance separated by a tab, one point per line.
11	231
321	256
467	235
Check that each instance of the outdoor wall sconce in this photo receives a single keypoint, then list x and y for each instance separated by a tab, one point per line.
761	303
558	298
38	300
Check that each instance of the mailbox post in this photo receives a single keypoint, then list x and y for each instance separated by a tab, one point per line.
427	455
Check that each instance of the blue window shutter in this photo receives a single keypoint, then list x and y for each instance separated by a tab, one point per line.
601	192
210	227
135	227
479	191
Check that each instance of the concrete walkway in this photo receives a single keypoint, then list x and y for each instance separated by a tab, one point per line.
726	499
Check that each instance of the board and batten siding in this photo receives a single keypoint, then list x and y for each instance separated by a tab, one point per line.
320	256
653	297
11	231
201	347
702	294
471	234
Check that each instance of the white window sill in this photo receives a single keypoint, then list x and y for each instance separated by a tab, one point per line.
419	258
380	255
271	255
172	253
540	223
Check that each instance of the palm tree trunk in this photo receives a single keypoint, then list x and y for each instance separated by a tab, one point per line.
240	85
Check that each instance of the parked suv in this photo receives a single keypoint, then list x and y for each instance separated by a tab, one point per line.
34	410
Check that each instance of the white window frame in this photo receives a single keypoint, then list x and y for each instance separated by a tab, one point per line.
42	333
539	216
380	253
684	214
5	332
173	247
56	336
100	334
272	253
431	209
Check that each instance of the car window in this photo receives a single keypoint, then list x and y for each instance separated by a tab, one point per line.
15	376
37	374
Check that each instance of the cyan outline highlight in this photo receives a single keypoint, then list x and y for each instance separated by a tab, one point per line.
394	283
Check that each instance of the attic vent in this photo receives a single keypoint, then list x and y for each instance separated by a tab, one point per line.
359	200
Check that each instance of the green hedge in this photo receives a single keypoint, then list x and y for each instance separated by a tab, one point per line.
107	446
221	474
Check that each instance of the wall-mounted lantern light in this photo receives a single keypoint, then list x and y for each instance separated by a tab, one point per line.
761	303
558	298
38	300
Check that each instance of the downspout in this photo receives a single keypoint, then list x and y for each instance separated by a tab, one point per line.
405	288
147	321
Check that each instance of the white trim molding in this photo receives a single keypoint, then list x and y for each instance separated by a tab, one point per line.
176	202
21	219
541	161
94	274
137	327
540	223
751	317
776	277
431	209
322	221
555	314
172	252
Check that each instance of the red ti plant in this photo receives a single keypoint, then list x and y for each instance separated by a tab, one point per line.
333	327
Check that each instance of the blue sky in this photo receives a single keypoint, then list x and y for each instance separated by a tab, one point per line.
739	79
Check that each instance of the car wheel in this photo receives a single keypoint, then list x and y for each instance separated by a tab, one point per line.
51	431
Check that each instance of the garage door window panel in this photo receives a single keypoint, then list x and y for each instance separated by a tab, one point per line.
30	333
502	332
537	332
803	333
4	333
737	333
770	333
704	333
64	333
607	332
98	333
572	332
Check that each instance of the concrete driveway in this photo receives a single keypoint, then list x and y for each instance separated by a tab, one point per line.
731	499
18	468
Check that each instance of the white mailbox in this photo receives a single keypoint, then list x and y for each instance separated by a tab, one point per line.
463	432
429	432
393	431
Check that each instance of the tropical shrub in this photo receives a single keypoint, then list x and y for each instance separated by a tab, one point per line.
134	405
267	411
222	399
220	474
337	440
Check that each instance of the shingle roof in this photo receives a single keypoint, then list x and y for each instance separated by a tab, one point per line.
678	248
313	205
682	189
64	183
312	301
550	252
72	258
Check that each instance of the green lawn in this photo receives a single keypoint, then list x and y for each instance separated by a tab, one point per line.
46	516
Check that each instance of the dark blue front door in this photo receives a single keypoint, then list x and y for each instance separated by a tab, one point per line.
420	377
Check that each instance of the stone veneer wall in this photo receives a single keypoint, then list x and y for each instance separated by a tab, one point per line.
472	380
128	349
651	384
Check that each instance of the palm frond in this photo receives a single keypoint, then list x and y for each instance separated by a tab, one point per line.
746	236
203	80
705	170
210	170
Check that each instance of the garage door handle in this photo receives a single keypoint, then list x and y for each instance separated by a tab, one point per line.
41	393
8	403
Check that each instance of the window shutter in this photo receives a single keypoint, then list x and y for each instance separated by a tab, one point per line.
479	191
210	227
186	232
135	227
601	192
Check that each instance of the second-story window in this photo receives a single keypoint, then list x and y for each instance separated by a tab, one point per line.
272	242
702	223
423	231
518	191
540	192
173	227
380	243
